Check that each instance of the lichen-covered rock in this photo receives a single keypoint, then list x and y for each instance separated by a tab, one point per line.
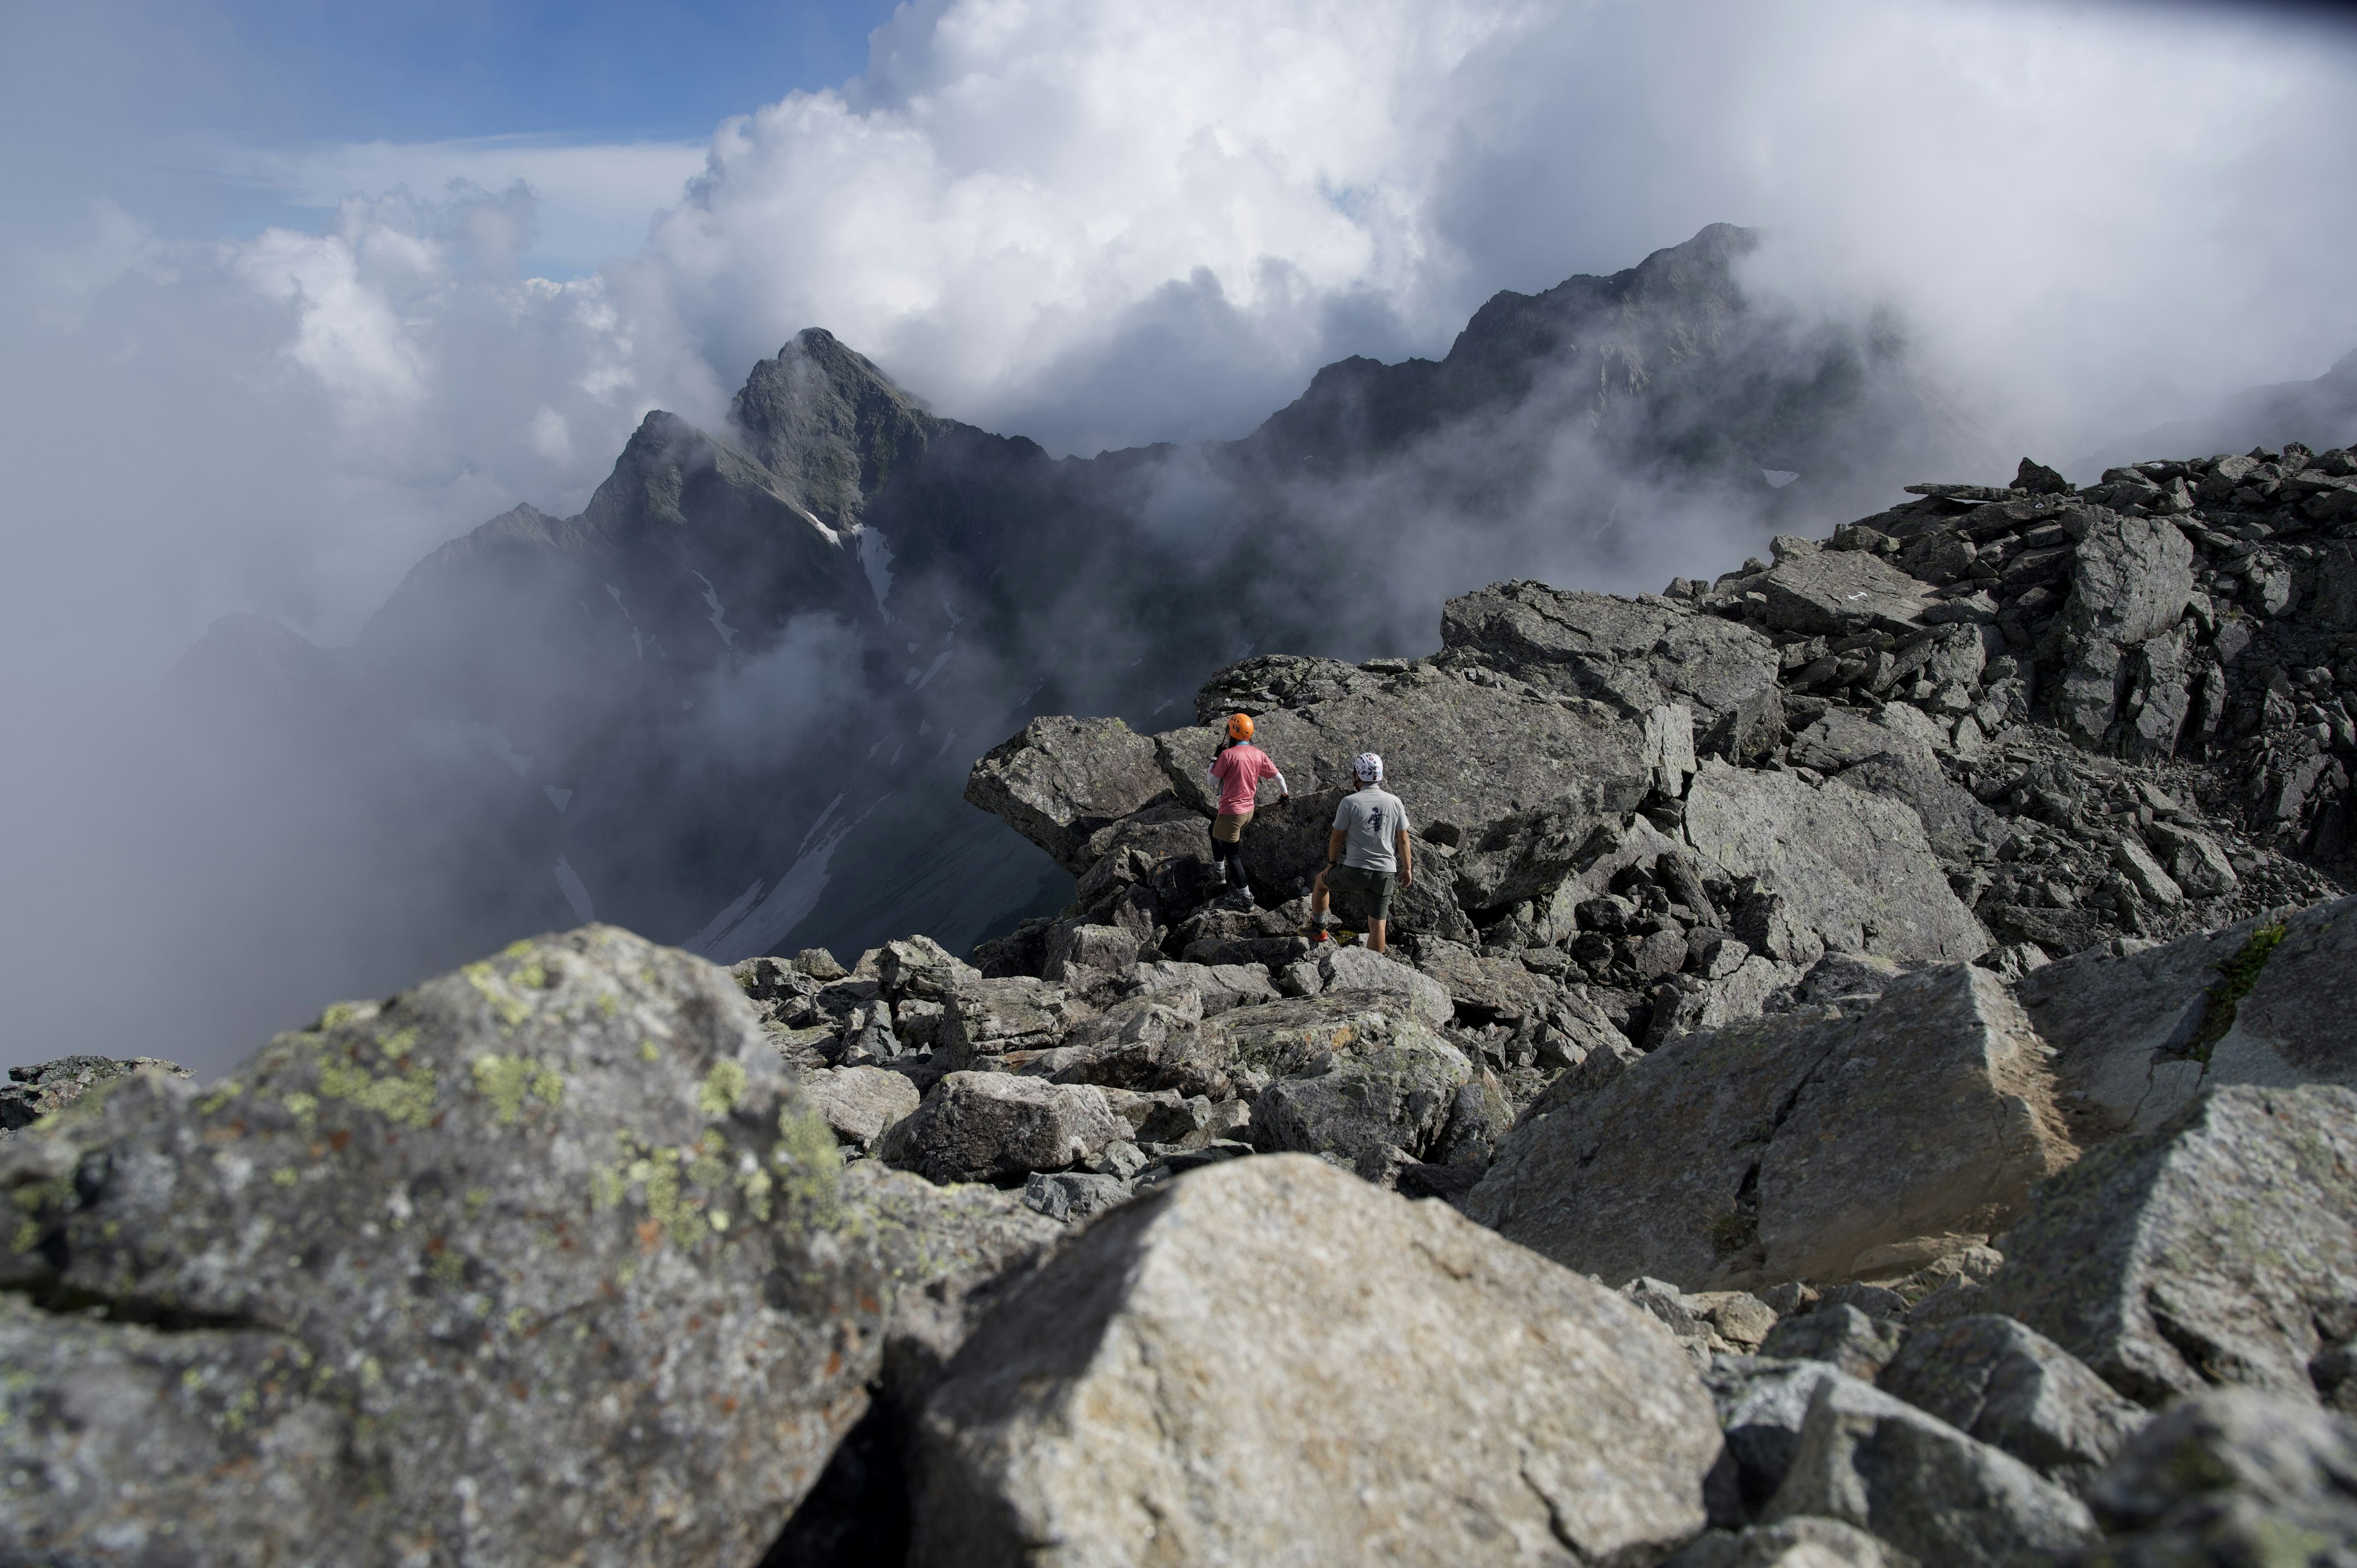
538	1262
2232	1475
988	1126
1269	1358
1911	1479
34	1091
1855	868
2215	1250
2008	1385
1062	780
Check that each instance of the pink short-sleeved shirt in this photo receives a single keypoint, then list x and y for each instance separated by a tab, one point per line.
1239	771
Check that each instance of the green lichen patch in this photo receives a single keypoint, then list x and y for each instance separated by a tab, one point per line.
405	1099
505	1081
723	1089
2236	977
505	1004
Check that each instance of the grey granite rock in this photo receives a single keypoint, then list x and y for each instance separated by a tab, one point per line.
2008	1385
1929	1122
541	1260
2213	1249
2232	1476
1062	779
1840	1336
1855	868
1268	1353
989	1126
859	1103
1914	1480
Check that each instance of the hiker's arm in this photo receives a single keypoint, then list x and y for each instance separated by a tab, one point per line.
1408	862
1334	841
1282	794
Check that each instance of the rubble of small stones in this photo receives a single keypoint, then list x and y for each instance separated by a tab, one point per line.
1866	1073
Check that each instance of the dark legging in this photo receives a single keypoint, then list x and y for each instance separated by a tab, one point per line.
1228	859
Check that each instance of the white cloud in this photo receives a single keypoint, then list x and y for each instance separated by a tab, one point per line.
595	199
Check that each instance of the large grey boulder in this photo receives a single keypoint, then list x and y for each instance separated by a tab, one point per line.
1911	1479
1853	867
1836	592
2233	1477
2010	1386
2124	1028
984	1022
2217	1248
1516	780
1126	1046
857	1103
2130	579
1062	780
1841	1335
1927	1124
1354	1109
1820	1144
1364	970
2295	1019
489	1269
989	1126
1656	1172
1270	1361
1635	655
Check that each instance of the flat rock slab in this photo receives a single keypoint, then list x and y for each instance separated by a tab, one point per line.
1855	868
1271	1361
494	1262
1063	780
1634	654
1363	969
1833	592
2215	1250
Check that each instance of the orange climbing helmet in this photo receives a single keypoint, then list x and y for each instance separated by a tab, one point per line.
1240	726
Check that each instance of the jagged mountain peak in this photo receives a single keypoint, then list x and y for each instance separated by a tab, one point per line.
829	423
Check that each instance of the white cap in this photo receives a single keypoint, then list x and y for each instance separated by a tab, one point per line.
1369	767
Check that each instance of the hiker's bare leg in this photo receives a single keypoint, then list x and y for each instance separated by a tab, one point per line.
1320	897
1375	934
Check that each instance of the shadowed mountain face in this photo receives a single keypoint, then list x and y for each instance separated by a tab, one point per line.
732	703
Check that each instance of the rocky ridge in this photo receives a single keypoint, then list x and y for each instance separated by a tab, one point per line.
1871	1035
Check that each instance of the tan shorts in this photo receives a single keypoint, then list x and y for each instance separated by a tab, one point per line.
1227	829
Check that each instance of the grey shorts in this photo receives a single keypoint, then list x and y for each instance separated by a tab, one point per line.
1374	887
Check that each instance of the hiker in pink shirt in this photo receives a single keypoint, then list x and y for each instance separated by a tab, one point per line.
1238	769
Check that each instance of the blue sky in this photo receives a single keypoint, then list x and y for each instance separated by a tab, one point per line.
220	119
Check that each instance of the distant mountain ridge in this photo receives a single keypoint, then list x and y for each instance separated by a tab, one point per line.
732	703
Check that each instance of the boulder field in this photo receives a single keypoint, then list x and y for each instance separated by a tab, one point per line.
1865	1075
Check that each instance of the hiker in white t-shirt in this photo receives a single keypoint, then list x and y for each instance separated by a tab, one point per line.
1367	852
